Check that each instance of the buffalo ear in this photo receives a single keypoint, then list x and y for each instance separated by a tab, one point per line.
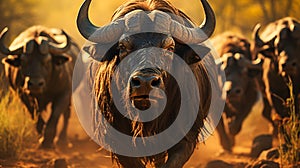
268	49
89	49
195	53
102	52
61	59
12	60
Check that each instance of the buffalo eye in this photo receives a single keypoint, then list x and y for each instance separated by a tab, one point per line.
122	51
125	45
168	44
171	48
60	59
122	48
23	58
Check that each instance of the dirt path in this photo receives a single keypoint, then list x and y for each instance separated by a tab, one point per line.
85	153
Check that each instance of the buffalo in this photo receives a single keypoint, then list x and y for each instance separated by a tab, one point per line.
38	66
279	46
241	87
142	33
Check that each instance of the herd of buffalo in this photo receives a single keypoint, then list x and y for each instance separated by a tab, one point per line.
39	66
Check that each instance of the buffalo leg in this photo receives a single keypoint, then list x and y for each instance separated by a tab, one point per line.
58	107
30	104
130	162
40	124
224	138
63	134
267	114
180	153
159	159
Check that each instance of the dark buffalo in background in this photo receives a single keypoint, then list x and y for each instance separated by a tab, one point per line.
279	45
143	79
38	66
240	87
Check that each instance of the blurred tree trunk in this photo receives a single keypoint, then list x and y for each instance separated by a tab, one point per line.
288	7
234	8
264	10
16	15
273	10
220	13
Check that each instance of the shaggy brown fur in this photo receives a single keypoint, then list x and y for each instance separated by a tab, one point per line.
279	44
57	73
238	105
178	154
142	46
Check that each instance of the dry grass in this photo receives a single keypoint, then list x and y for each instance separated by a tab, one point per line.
16	126
289	134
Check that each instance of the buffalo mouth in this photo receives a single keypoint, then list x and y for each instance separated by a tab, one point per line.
233	99
144	102
34	90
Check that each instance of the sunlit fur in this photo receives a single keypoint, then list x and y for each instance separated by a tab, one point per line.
279	39
103	72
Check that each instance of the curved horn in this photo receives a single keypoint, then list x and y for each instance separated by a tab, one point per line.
258	41
60	48
89	31
199	34
3	49
209	23
84	25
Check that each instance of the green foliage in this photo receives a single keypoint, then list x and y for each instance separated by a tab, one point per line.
289	132
16	127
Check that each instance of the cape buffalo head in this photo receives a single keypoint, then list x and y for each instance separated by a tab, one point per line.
240	70
280	41
137	29
35	52
134	57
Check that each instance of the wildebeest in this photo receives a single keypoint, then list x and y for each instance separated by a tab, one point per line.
241	86
38	66
128	38
279	44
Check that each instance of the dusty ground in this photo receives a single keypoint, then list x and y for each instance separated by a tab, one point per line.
85	153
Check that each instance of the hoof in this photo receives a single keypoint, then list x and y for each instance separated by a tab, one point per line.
46	145
218	163
60	163
223	153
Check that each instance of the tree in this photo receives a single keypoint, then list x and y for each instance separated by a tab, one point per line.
16	15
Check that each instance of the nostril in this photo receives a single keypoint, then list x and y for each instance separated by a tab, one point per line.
238	91
228	91
36	83
156	82
30	83
294	64
283	65
41	83
135	82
